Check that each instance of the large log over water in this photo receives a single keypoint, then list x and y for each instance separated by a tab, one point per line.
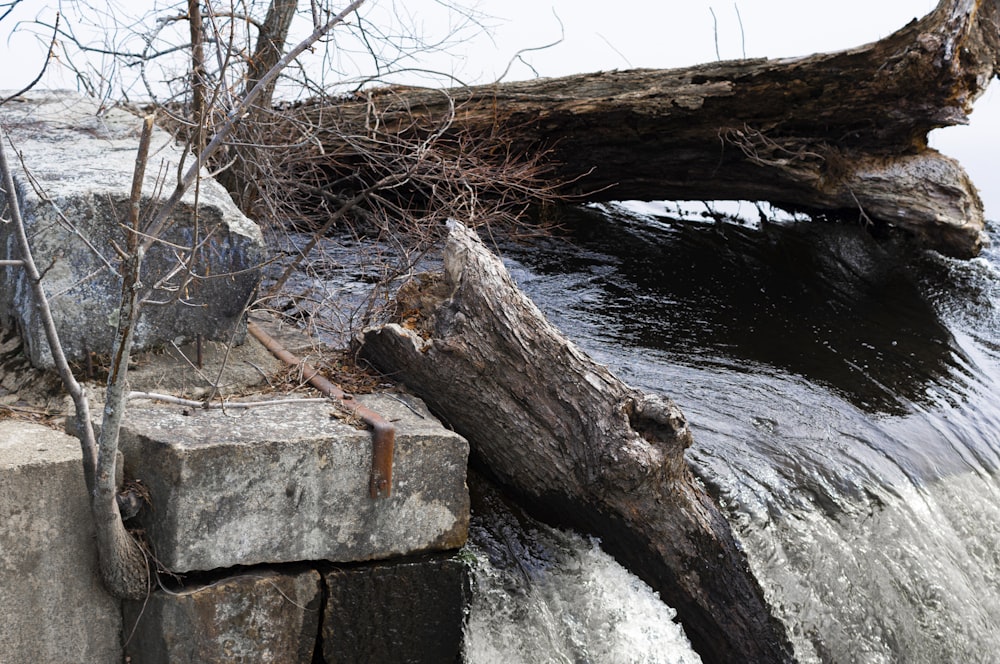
575	443
842	132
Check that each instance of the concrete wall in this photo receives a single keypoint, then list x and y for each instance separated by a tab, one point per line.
53	608
282	484
262	616
52	605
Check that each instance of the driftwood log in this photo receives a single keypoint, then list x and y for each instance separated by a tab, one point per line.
842	133
574	443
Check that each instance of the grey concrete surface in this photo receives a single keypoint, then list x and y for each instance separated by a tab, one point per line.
261	616
52	605
290	483
73	188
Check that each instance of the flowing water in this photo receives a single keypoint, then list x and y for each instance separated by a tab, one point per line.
843	396
543	595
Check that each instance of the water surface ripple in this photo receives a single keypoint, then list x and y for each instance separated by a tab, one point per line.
842	393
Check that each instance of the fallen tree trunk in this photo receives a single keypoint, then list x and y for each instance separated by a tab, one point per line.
841	133
575	443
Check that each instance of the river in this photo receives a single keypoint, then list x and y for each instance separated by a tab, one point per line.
843	398
842	392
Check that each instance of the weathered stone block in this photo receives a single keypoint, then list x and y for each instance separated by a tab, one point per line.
54	608
290	483
81	159
410	612
263	616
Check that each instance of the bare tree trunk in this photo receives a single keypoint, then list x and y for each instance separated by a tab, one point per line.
249	159
842	133
270	45
124	567
577	444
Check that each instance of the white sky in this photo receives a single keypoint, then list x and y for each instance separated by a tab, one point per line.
621	34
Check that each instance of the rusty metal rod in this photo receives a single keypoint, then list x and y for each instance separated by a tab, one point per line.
383	431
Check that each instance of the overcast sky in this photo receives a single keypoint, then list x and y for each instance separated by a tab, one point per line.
622	34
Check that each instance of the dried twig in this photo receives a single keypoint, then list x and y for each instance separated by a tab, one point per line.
211	405
88	442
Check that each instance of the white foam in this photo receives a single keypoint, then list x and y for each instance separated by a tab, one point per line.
585	607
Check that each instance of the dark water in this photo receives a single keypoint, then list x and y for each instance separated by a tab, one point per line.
843	394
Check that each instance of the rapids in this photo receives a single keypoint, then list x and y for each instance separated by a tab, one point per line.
843	397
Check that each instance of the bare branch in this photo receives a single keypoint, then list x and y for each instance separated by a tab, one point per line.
517	56
84	426
236	115
198	82
123	562
10	5
49	56
715	31
206	405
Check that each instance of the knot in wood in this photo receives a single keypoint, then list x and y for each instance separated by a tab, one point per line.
659	420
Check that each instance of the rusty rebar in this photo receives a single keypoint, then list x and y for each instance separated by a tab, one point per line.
383	431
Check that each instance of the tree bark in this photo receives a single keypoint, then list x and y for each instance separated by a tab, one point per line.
841	133
124	569
575	443
247	168
270	46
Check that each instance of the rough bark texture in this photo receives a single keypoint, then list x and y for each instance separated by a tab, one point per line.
241	177
841	133
124	568
270	45
576	443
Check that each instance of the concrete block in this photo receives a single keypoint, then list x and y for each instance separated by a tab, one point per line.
406	612
81	159
54	607
290	483
259	617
